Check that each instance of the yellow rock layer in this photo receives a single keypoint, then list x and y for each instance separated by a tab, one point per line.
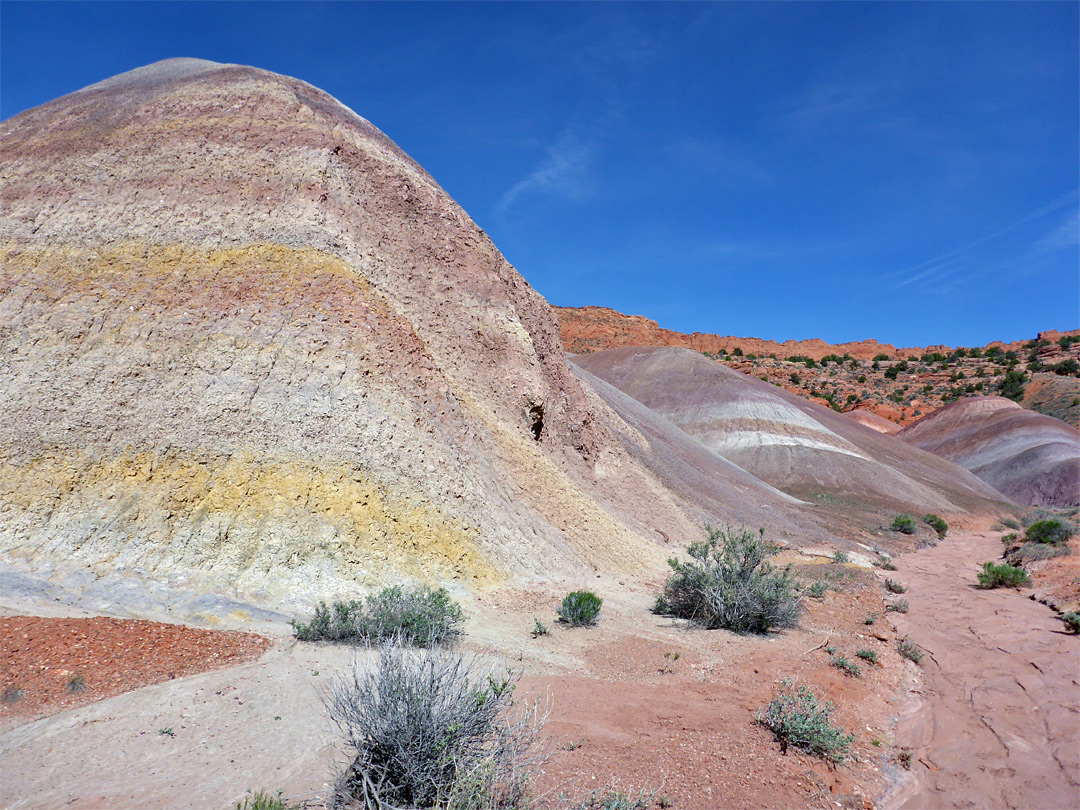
370	527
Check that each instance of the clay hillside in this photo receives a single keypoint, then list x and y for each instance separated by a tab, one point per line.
1030	458
897	384
804	449
275	409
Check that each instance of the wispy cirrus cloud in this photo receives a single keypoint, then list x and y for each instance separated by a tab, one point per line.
1064	235
963	260
563	173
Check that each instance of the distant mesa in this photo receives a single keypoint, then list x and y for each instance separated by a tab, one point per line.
590	329
1031	458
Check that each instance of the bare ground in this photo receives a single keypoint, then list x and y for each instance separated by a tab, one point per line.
638	703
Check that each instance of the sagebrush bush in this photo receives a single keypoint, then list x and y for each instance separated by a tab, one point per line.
580	608
430	728
730	584
899	606
1004	575
796	718
937	524
868	655
1072	621
892	586
1051	530
420	616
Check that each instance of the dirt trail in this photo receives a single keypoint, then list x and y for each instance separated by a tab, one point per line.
996	722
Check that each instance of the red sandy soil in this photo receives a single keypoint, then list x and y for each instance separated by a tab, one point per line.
41	657
684	728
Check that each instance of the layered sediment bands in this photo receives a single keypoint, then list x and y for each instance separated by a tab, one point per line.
1031	458
259	409
794	445
245	338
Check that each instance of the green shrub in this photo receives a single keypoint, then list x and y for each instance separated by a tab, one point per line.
261	800
539	629
892	586
1050	530
847	667
908	650
841	557
796	718
1002	576
868	655
1009	538
1011	523
421	616
937	524
870	618
730	584
1072	622
904	524
430	728
818	589
899	606
580	608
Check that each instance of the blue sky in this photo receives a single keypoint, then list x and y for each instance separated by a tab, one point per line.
902	171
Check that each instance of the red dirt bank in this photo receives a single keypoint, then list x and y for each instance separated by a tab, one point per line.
41	656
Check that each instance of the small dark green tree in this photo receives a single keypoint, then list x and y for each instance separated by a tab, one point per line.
1012	385
729	583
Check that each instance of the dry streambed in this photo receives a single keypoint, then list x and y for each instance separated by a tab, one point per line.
996	720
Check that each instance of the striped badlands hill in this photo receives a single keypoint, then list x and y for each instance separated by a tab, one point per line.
799	447
253	355
872	420
250	347
1031	458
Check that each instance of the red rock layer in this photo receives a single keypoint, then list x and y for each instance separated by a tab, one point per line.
594	329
